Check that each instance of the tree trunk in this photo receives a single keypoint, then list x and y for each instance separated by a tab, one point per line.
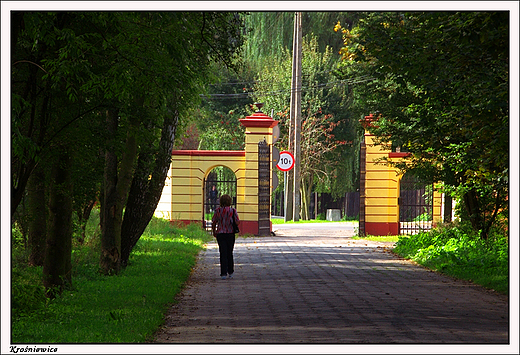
57	265
146	190
448	205
306	194
471	203
116	192
24	168
484	234
110	233
38	217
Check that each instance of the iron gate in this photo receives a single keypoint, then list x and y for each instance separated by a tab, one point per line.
221	180
264	189
415	205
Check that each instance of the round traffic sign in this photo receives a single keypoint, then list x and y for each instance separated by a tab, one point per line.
286	161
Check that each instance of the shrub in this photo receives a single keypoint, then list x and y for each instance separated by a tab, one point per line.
459	252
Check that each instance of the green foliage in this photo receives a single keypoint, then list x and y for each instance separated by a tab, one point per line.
270	33
329	151
350	218
438	84
221	131
27	294
378	238
225	102
127	308
423	217
459	252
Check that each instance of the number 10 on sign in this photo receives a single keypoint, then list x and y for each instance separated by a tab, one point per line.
286	161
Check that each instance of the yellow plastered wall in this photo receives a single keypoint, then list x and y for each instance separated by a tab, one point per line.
182	197
254	135
382	187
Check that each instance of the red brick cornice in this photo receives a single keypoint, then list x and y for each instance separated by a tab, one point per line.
399	155
258	119
217	153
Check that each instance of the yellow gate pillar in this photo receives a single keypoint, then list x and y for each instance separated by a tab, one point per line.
258	127
380	188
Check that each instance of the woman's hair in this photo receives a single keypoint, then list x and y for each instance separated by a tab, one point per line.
225	200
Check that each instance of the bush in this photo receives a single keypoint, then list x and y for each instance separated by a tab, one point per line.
321	216
456	251
27	291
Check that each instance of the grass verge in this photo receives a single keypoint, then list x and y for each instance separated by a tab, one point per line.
126	308
382	238
460	254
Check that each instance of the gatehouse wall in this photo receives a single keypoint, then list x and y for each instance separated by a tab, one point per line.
182	198
381	190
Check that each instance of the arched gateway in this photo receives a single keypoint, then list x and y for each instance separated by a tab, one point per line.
184	198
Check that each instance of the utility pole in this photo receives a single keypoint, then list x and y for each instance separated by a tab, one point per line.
296	91
288	181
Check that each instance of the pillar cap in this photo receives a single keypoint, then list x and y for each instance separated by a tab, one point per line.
368	121
258	119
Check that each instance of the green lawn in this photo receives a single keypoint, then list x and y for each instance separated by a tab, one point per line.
126	308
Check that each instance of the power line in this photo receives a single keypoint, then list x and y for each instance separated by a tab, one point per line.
246	94
262	81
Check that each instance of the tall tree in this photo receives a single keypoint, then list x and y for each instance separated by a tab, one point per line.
192	41
145	70
37	211
439	87
45	108
326	125
269	33
57	267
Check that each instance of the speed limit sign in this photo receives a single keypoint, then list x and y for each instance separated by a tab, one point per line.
286	161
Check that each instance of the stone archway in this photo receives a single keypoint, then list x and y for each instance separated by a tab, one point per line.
182	199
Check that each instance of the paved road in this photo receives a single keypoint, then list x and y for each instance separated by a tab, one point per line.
329	229
299	288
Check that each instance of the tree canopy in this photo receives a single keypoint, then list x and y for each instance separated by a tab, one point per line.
98	99
439	86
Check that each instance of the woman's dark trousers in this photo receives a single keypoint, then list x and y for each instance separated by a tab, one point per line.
226	243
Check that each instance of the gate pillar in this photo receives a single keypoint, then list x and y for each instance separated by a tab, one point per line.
258	127
379	188
381	193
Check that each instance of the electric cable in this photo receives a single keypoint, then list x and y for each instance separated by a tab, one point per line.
353	81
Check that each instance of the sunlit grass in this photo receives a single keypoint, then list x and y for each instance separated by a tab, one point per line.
461	254
125	308
384	238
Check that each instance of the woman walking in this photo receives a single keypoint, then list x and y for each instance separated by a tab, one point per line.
222	228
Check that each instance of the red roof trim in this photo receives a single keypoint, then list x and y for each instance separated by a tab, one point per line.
214	153
258	122
399	155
